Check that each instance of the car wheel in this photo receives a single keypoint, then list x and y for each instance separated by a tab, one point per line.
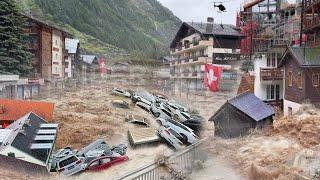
157	114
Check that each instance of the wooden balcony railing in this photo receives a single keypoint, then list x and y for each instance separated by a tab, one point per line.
194	73
313	22
267	74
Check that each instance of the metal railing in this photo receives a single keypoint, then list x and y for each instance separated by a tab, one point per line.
177	166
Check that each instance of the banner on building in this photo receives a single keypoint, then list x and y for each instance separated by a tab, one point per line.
212	77
102	66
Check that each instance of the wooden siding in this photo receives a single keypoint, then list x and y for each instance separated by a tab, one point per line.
230	122
225	42
312	92
46	44
246	84
294	93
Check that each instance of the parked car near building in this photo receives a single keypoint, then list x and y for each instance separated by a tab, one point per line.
174	105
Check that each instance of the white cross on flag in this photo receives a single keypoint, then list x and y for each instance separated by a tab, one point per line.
212	76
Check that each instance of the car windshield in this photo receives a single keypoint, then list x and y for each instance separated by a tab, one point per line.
68	161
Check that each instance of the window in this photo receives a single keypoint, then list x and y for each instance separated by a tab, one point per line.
56	42
273	60
277	92
315	80
299	80
273	92
290	78
269	60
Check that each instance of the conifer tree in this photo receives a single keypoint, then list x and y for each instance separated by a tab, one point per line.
14	55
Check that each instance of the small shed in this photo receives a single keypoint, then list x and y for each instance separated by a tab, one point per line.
241	114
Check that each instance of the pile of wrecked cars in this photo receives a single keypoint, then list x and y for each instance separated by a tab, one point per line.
94	157
178	126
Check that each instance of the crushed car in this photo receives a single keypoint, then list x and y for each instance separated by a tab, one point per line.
160	110
194	122
121	92
69	162
144	106
70	165
104	162
120	104
160	98
135	119
174	105
184	133
143	96
170	136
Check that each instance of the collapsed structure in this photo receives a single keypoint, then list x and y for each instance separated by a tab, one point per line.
29	139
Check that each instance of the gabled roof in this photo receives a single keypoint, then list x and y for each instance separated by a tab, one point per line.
14	109
306	57
252	106
246	83
47	24
88	58
72	45
218	30
22	134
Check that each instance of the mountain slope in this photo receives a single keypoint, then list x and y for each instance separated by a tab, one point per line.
128	24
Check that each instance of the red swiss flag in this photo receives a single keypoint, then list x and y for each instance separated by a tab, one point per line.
102	66
212	77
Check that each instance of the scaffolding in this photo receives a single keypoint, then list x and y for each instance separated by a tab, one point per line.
268	24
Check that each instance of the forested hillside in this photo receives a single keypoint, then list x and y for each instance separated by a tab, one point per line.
128	24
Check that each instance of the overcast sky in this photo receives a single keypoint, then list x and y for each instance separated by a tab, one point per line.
199	10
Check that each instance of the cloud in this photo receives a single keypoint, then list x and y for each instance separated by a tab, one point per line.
199	10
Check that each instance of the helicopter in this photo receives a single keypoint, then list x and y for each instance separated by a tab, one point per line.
220	6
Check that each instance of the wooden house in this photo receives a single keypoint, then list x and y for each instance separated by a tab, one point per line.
302	77
241	114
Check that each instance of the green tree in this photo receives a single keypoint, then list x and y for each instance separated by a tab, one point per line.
14	55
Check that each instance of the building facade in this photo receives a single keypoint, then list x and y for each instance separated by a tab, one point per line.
72	61
8	86
197	44
47	44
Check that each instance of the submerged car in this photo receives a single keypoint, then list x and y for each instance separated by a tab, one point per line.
104	162
170	136
160	110
121	92
138	120
120	104
144	106
192	121
160	98
143	96
174	106
184	133
101	148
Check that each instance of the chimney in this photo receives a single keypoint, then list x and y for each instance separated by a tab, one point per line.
209	26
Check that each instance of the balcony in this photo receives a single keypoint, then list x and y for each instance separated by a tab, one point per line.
186	72
311	23
269	74
192	46
194	74
309	3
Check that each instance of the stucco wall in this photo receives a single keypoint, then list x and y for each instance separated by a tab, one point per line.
287	104
57	54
